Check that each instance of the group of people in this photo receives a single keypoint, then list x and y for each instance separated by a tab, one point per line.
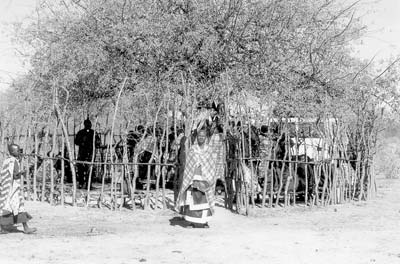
195	200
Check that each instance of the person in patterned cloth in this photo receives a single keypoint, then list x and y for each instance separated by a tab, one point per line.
196	197
11	198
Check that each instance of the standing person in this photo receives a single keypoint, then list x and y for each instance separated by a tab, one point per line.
11	196
67	167
132	140
196	197
84	139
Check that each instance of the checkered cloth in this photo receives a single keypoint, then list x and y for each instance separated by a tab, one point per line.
218	152
195	158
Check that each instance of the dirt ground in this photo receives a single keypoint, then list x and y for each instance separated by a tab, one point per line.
366	232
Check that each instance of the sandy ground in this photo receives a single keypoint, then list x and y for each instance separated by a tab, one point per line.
366	232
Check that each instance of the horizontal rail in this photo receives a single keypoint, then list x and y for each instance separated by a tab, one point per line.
299	161
96	162
75	161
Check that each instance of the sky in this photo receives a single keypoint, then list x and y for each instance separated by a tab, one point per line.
382	17
382	39
11	63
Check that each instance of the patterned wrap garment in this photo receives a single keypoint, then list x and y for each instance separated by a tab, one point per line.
199	157
11	198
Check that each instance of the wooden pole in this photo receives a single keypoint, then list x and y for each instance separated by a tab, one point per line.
126	168
228	201
288	151
282	169
251	166
272	173
158	167
177	169
91	165
100	201
35	168
52	164
244	196
113	126
147	198
62	170
28	176
166	154
305	171
295	176
44	165
69	148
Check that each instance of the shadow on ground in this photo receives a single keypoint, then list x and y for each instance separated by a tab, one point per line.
179	221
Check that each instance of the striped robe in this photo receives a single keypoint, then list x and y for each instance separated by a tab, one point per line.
11	199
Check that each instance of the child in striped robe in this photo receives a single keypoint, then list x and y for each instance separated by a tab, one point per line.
11	196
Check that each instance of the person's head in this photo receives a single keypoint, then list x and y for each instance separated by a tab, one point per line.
201	137
264	130
219	128
159	132
87	124
140	129
213	112
14	150
131	135
180	131
274	128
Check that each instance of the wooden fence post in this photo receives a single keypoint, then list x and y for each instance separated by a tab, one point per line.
44	165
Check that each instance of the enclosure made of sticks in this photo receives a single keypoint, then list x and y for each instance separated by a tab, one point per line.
288	166
265	162
278	173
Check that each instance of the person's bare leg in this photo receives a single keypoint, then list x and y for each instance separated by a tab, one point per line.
27	229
